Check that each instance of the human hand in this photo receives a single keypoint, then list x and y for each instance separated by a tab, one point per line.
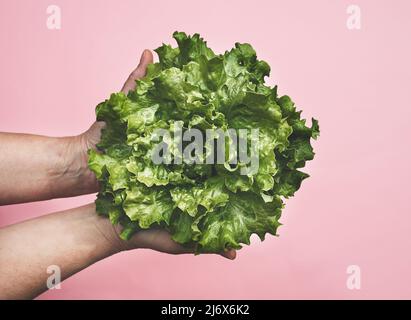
35	167
72	240
156	239
76	155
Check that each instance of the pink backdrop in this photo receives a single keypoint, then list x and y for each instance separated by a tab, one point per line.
354	210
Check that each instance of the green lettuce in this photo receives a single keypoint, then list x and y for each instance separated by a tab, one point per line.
212	207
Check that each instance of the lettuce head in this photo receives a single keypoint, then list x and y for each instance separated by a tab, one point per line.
209	206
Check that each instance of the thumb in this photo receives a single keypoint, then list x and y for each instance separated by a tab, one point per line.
139	72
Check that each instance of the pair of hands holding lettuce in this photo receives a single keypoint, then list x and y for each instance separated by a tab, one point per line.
34	168
169	208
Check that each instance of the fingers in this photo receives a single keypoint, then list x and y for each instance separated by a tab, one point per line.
139	72
92	136
175	248
160	240
230	254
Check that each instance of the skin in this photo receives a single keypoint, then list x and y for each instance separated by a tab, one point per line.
34	168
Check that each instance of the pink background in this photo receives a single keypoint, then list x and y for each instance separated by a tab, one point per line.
354	210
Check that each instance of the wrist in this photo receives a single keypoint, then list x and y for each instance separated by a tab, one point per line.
70	175
103	232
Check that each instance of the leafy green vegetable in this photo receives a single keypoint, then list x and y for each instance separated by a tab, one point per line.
211	206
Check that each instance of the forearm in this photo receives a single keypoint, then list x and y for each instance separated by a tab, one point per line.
36	168
72	240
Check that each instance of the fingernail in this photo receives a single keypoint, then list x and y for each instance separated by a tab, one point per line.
231	254
145	55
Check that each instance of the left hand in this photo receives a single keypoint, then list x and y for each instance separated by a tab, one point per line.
78	146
